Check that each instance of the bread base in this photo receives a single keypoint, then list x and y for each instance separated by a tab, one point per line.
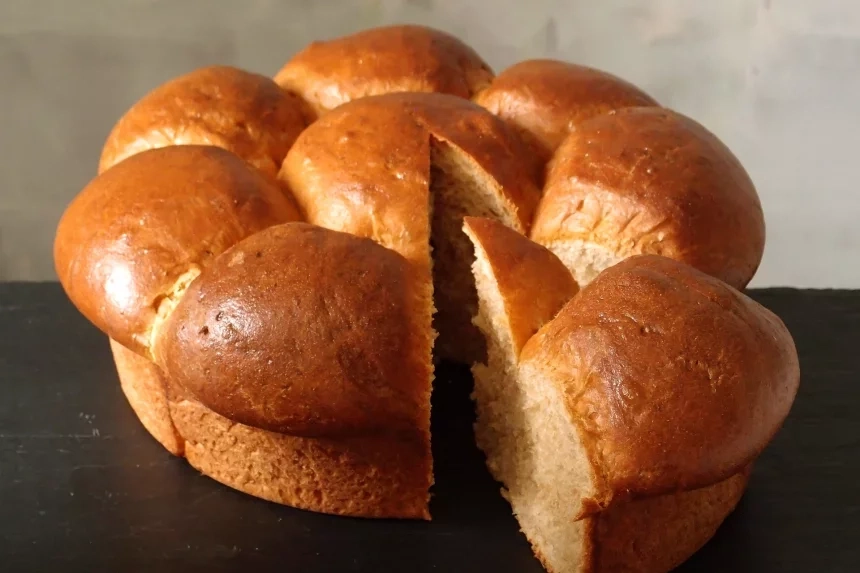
379	476
659	533
653	535
144	389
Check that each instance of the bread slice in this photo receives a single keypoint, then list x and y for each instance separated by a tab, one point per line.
540	441
459	188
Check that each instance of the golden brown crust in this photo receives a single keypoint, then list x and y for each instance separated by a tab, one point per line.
365	167
136	228
547	99
487	141
651	181
306	331
383	60
144	388
675	380
658	534
533	282
240	111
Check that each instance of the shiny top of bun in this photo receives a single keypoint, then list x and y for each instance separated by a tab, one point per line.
548	99
674	379
383	60
243	112
147	226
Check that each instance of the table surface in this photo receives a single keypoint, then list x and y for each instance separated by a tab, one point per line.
84	488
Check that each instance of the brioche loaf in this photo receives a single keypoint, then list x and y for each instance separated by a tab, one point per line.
277	263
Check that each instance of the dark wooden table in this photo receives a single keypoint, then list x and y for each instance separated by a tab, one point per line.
84	488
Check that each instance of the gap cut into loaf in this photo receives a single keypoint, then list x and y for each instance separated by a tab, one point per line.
349	174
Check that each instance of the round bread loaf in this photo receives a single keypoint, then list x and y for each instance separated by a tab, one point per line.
383	60
548	99
280	333
240	111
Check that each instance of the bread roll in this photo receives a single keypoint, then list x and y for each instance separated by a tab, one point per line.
240	111
308	332
576	425
650	181
403	170
547	99
410	58
316	345
133	239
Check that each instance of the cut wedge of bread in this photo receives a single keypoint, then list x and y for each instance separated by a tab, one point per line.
553	454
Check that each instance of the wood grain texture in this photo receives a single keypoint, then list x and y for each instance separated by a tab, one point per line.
83	486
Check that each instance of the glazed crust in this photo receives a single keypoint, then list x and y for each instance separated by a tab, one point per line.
365	167
240	111
347	176
308	332
383	60
651	181
135	229
674	379
547	99
522	268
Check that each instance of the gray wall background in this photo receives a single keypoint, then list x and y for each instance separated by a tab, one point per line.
778	80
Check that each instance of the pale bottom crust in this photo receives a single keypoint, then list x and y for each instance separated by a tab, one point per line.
363	476
143	388
656	535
